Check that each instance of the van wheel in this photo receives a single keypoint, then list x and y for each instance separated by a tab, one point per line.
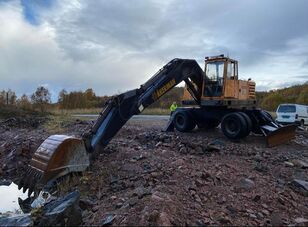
302	123
183	122
234	126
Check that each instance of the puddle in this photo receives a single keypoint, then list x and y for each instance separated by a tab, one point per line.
9	198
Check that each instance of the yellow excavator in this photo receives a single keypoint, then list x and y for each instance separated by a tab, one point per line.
212	97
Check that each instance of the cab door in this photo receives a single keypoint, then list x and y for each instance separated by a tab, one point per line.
231	81
213	84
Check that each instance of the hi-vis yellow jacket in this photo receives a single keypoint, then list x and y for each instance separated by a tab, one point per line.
173	107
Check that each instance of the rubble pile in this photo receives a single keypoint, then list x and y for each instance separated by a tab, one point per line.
148	177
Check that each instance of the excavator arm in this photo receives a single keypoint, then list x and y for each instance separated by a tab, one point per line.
121	108
59	155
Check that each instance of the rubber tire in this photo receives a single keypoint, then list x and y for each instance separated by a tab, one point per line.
248	123
302	123
209	124
238	121
183	122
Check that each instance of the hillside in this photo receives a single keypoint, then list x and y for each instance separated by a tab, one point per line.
294	94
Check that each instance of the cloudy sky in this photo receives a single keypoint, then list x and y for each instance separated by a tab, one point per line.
113	46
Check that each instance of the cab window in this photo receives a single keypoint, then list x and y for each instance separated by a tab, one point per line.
230	71
215	70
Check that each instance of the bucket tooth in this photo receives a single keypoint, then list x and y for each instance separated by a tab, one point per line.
32	179
24	189
31	189
21	183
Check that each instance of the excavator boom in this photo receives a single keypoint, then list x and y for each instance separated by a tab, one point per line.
57	157
122	107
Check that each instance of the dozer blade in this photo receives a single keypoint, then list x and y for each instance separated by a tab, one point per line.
57	156
280	135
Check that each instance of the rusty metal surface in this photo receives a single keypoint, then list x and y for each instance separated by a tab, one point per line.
281	135
58	155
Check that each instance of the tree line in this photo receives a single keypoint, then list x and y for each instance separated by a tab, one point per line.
80	99
41	98
271	99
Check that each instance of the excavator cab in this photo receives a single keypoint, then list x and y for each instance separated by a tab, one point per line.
221	80
214	77
221	86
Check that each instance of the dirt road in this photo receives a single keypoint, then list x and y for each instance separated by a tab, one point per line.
147	177
148	118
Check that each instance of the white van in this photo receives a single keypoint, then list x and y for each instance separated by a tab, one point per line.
292	113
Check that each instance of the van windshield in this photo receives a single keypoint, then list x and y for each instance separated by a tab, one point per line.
286	109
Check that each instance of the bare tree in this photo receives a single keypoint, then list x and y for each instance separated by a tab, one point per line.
41	98
2	98
24	102
11	97
7	97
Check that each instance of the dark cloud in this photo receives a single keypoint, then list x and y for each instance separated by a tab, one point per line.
116	45
251	30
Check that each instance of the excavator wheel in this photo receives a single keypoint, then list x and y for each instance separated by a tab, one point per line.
234	126
248	123
57	156
183	122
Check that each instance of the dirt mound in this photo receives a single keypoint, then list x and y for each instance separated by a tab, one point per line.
16	150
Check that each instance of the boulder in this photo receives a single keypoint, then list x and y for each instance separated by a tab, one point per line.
63	211
300	163
301	183
108	220
301	221
301	186
141	192
16	220
244	184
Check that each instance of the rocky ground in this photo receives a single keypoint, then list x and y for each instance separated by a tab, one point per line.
147	177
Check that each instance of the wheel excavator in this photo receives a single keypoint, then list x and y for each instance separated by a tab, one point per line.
212	97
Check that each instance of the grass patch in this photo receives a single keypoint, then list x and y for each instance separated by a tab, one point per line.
57	123
75	111
13	111
156	111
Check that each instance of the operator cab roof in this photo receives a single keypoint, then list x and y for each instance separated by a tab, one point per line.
219	58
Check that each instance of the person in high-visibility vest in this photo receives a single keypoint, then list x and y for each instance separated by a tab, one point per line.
173	107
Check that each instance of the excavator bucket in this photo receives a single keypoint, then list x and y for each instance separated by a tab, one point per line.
57	156
281	135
